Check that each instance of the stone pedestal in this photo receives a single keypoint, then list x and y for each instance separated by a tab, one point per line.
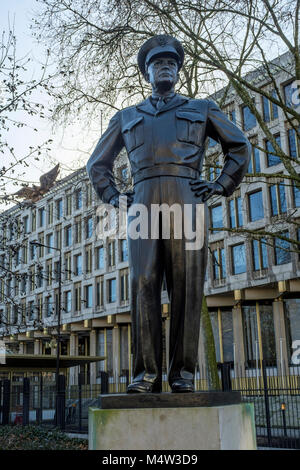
166	421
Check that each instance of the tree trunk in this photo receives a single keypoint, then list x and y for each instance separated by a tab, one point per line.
210	350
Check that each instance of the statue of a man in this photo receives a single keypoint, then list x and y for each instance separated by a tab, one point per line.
165	140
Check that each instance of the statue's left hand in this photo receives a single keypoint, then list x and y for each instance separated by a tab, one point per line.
115	201
204	190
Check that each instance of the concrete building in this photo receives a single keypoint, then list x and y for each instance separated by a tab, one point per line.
252	285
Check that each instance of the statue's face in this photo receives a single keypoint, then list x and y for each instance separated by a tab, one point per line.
163	73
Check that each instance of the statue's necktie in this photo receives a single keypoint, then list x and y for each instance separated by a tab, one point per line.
160	103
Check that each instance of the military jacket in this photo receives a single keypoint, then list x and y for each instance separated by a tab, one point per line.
174	135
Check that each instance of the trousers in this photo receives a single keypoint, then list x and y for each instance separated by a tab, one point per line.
150	258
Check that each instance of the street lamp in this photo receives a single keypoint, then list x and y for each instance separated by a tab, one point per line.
35	243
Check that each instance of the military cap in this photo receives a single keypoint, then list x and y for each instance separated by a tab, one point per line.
158	46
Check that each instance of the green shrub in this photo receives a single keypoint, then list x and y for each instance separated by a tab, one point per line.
37	438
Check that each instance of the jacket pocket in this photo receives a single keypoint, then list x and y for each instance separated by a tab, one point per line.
133	133
189	126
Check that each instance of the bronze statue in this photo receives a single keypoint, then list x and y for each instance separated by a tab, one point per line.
165	140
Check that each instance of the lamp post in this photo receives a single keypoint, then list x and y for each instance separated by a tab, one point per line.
35	243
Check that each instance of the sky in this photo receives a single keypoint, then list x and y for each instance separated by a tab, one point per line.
71	146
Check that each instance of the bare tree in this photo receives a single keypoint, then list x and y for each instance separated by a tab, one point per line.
19	102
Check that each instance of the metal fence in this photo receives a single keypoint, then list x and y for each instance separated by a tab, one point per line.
276	400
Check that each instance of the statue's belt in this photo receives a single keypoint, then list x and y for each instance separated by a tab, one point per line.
165	170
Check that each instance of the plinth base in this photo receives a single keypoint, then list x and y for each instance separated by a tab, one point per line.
167	426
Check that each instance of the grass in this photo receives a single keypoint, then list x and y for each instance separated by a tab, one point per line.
37	438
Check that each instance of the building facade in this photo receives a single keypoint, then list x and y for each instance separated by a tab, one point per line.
252	283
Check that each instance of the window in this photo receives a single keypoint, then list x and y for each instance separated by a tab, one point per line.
256	207
33	253
32	278
50	213
214	169
59	209
56	273
88	259
100	291
124	362
40	277
216	213
253	342
292	323
254	163
219	263
112	290
41	217
270	109
30	310
89	227
249	320
68	236
260	254
235	212
69	204
123	251
48	306
231	113
33	221
277	198
77	297
68	301
78	265
296	194
111	253
89	296
282	249
291	94
89	198
294	146
25	253
50	242
49	273
100	257
39	307
77	229
68	267
249	120
58	237
124	291
267	333
41	247
26	224
272	158
78	199
239	259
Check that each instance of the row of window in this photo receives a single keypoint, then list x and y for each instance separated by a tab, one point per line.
38	277
255	163
54	211
258	331
270	109
255	206
281	248
75	300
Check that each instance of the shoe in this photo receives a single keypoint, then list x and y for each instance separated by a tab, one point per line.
182	386
144	387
